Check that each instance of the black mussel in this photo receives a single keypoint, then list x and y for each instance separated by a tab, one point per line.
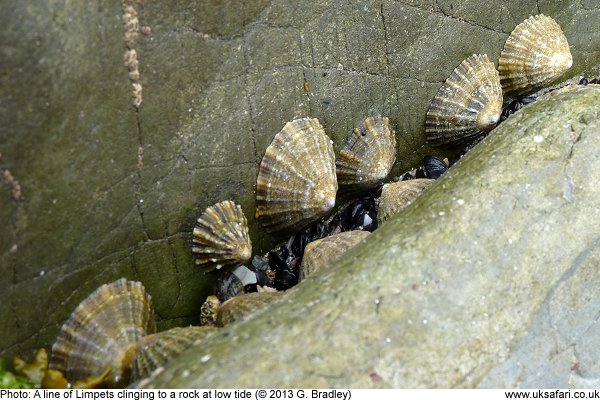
432	168
282	263
359	214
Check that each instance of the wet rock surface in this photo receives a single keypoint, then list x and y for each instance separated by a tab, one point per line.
94	189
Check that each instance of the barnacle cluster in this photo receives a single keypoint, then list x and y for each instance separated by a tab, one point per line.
110	339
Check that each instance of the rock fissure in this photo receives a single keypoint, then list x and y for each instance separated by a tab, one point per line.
578	261
385	41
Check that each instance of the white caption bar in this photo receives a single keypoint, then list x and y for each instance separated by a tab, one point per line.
277	394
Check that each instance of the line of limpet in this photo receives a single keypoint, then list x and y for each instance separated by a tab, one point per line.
297	185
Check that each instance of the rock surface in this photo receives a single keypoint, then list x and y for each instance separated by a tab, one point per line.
486	280
94	189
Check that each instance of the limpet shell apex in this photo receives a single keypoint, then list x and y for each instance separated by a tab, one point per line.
221	237
467	105
534	55
369	154
296	183
103	332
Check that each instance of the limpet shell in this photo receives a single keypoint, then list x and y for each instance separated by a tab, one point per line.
467	105
296	183
158	349
321	253
534	55
369	154
240	306
221	237
398	195
103	332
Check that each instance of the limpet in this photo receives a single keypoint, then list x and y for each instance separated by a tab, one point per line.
103	332
467	105
157	349
321	253
398	195
221	237
369	154
296	182
240	306
534	55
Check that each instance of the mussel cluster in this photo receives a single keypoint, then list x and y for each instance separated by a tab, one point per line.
110	338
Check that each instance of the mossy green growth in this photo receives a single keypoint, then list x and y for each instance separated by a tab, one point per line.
8	380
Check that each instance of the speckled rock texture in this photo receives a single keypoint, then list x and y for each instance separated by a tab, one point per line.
486	280
93	188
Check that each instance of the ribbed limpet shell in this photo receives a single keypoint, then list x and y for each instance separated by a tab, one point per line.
399	195
369	154
467	105
221	237
102	332
534	55
296	183
156	350
321	253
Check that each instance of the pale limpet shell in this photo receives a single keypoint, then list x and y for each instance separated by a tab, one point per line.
296	183
467	105
321	253
399	195
241	306
534	55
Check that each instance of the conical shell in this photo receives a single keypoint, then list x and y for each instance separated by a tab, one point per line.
369	154
103	331
467	105
158	349
534	55
323	252
398	195
221	237
296	183
240	306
